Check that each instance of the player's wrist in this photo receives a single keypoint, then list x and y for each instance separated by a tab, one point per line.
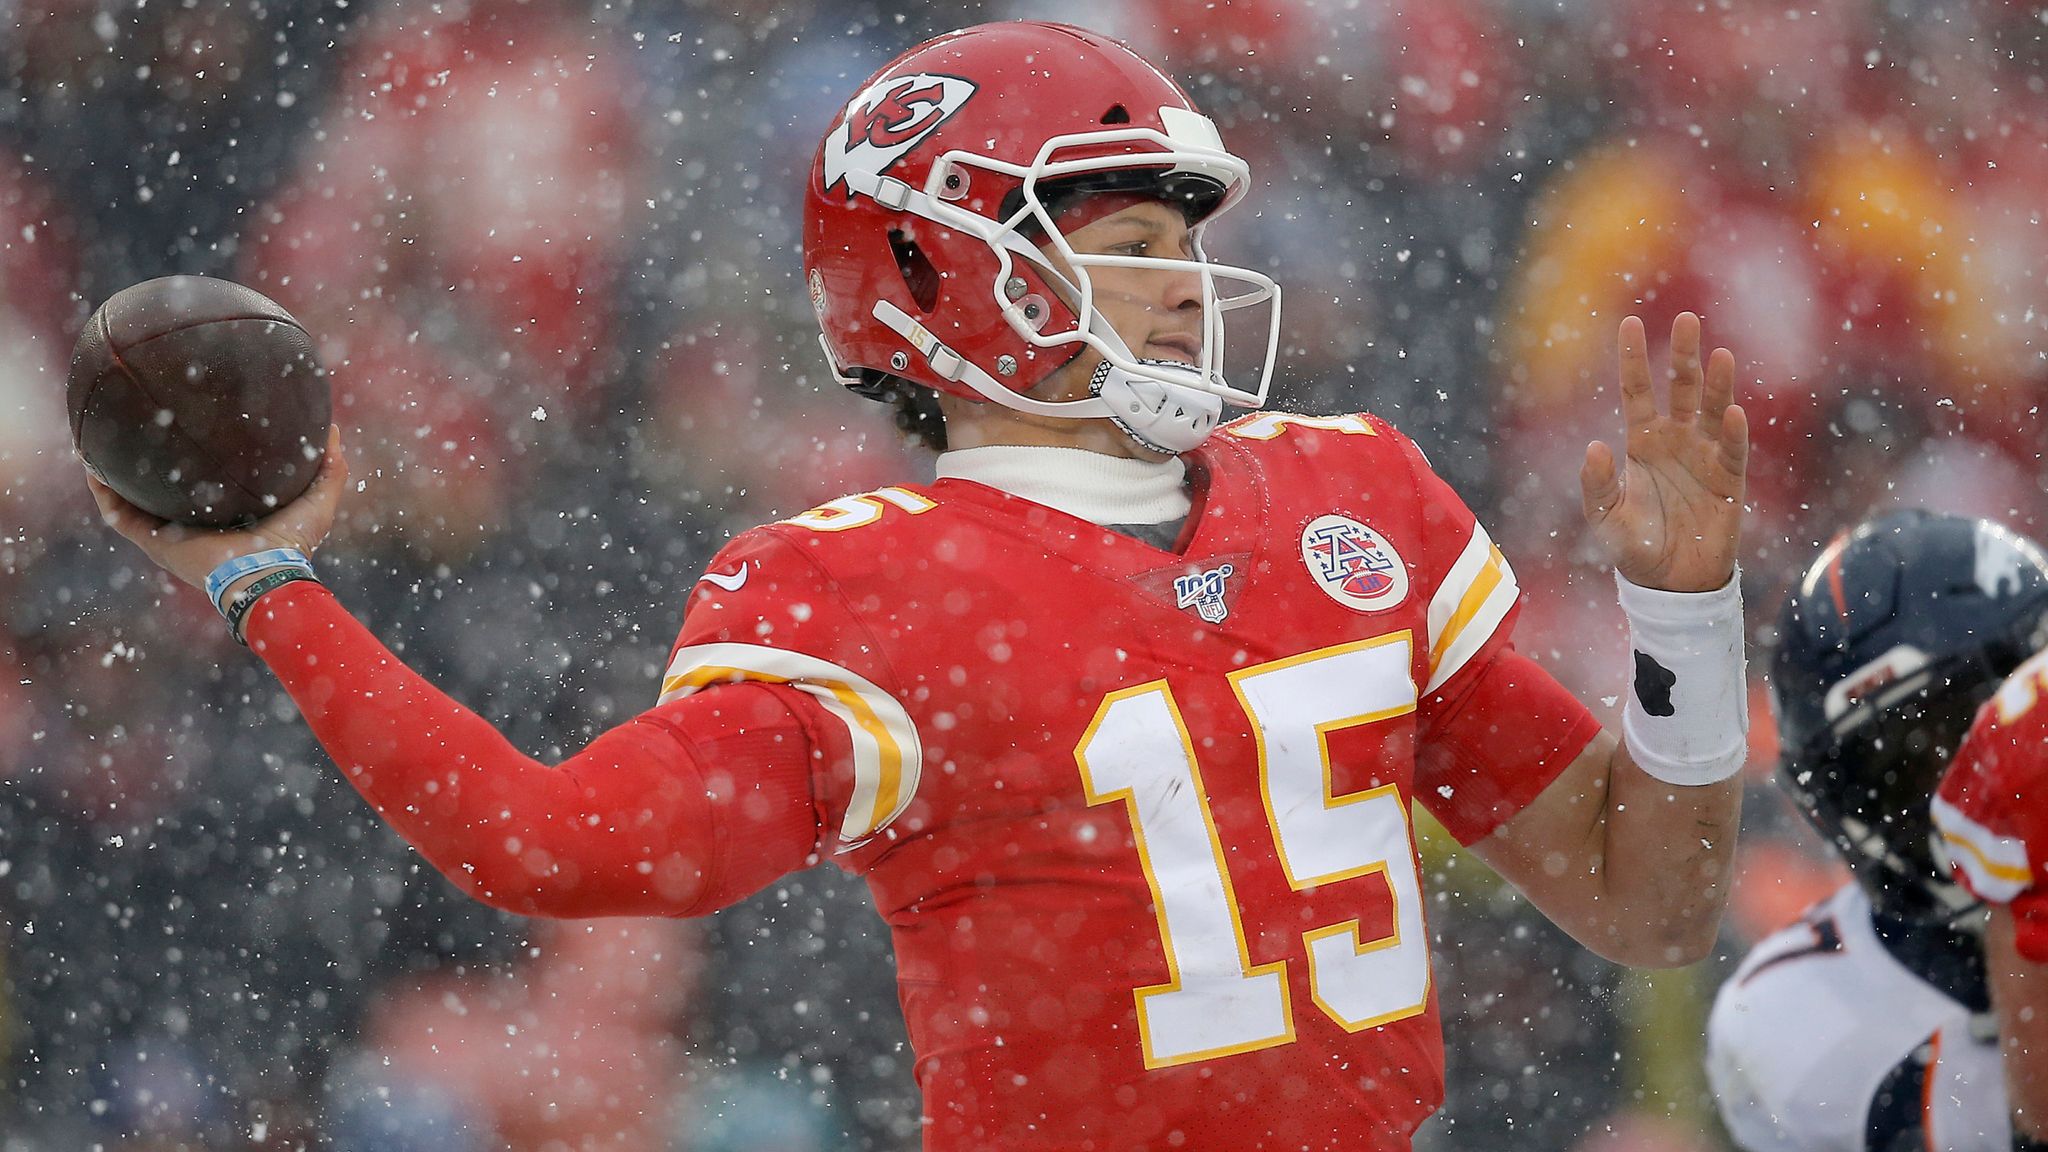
1686	721
1677	584
236	584
237	572
242	605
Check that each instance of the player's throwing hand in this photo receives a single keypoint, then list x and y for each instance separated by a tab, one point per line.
189	552
1669	518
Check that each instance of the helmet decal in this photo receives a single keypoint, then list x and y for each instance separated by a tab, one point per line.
886	121
2005	560
1864	684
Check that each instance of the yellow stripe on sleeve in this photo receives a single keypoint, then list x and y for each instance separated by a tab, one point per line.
1489	578
1982	863
1996	866
1475	596
887	753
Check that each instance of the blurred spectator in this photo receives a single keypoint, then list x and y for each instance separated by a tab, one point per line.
1773	183
38	316
754	1107
162	124
1407	133
455	240
572	1048
746	425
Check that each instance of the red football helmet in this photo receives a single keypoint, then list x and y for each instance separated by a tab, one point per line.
934	190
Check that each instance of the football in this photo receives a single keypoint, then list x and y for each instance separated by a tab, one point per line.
198	400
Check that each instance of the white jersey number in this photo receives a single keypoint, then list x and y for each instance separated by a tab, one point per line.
1215	1001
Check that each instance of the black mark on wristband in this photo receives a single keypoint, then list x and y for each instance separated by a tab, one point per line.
1653	685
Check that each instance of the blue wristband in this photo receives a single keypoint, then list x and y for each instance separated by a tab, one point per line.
218	580
237	611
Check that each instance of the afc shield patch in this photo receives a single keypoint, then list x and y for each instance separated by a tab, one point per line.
1354	565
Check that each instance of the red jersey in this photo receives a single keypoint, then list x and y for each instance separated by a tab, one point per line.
1139	820
1989	810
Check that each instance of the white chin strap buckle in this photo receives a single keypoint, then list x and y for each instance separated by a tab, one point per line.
1164	417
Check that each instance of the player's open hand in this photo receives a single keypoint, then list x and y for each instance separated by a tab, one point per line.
1669	516
190	552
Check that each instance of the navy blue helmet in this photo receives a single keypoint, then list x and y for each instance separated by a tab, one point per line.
1894	636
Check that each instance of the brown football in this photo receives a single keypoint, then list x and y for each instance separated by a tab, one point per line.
198	400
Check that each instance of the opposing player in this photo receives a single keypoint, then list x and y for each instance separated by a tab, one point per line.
1121	717
1865	1025
1992	813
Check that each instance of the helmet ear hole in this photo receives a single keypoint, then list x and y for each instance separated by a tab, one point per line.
916	268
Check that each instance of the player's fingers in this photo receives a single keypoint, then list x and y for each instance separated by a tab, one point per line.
1599	482
117	513
102	496
1735	441
1685	366
1719	390
306	521
108	503
1720	386
334	466
1638	403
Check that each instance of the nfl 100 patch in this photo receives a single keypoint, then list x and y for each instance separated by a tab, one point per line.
1203	591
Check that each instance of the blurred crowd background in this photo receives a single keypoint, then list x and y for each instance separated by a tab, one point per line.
549	249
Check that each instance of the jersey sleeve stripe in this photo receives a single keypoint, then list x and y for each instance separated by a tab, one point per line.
1472	601
887	754
1995	866
1482	587
1478	553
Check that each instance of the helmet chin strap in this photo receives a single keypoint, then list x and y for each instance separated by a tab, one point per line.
1157	413
1165	417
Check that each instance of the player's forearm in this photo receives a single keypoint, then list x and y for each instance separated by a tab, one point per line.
1635	869
1667	854
2020	1000
629	826
1671	793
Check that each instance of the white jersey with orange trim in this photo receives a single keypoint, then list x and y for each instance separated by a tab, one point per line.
1822	1041
1139	820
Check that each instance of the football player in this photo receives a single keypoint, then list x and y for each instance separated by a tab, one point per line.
1992	814
1121	717
1865	1025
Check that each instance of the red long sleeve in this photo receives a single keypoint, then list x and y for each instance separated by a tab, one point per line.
682	810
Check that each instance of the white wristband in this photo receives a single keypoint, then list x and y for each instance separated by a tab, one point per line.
1687	716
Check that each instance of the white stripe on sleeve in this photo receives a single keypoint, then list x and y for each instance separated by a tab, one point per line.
887	754
1473	599
1996	866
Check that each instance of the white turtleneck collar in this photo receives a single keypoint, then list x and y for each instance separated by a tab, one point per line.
1089	485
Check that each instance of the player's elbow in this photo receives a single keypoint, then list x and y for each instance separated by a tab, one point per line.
557	888
512	888
1679	952
1676	941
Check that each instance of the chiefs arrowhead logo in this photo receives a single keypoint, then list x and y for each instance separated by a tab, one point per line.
886	121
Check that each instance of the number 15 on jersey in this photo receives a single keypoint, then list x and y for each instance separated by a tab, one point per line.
1215	1001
